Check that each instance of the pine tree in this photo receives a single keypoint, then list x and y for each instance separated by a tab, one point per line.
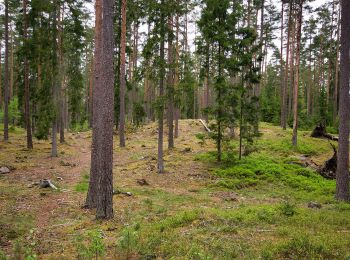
6	74
26	79
296	80
103	126
342	187
122	76
91	200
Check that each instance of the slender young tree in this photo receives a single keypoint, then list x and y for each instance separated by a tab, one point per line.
54	79
336	81
170	85
284	107
122	77
296	77
26	79
6	74
160	161
342	186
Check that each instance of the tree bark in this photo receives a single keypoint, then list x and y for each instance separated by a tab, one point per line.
170	85
61	74
6	74
296	78
336	81
160	161
1	95
104	107
176	78
284	107
122	78
54	81
281	61
342	182
26	79
91	199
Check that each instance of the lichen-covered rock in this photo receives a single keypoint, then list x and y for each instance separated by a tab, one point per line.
4	170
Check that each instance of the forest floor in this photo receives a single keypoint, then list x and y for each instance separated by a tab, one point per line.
267	205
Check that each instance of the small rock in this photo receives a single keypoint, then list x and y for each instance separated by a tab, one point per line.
186	150
314	205
46	184
142	182
4	170
59	178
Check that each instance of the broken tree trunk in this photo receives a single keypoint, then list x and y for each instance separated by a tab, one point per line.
329	168
320	132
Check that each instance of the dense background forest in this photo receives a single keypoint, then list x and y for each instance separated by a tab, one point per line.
200	102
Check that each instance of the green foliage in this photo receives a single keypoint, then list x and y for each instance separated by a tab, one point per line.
83	185
14	112
21	251
128	241
302	246
201	137
93	248
80	127
2	255
138	113
287	209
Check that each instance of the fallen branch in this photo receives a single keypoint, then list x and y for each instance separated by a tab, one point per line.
205	125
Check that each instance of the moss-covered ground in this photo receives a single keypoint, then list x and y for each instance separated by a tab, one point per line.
254	208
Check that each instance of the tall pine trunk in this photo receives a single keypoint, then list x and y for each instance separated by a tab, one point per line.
91	199
284	107
176	76
336	81
104	107
6	74
170	85
342	186
26	79
54	80
160	161
1	95
296	78
122	78
281	61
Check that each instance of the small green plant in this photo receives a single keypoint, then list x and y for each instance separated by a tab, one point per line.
83	185
128	240
287	209
94	248
201	138
149	204
302	247
2	255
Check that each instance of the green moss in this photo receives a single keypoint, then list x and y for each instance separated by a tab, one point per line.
83	184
